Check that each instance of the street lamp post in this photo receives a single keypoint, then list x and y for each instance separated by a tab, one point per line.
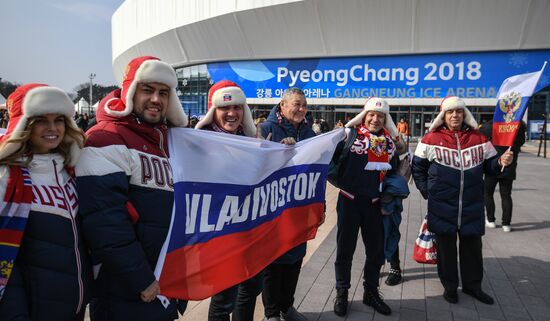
91	76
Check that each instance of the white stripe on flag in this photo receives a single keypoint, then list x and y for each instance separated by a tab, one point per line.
209	157
523	84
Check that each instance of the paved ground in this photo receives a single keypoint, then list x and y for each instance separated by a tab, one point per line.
517	264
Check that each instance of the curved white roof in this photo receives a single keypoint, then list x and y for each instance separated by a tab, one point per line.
189	32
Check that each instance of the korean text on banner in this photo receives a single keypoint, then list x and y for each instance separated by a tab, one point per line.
240	203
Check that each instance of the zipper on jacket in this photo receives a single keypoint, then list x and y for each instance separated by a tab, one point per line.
161	146
161	143
461	181
75	234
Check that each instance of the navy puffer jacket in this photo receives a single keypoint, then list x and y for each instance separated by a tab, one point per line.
126	194
448	169
52	274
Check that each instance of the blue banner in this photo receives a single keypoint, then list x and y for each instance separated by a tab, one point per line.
468	75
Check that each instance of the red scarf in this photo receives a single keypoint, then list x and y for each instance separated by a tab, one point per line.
14	212
380	149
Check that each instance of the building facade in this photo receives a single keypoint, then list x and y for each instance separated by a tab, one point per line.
411	52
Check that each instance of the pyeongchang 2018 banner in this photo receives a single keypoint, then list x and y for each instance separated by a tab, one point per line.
240	203
513	95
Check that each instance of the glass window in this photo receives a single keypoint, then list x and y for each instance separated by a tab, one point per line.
194	82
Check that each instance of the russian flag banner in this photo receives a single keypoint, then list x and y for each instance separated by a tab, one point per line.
239	204
513	96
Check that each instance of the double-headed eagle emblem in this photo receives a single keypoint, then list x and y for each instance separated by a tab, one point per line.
378	145
509	104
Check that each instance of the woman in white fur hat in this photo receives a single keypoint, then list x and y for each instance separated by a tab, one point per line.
372	153
44	268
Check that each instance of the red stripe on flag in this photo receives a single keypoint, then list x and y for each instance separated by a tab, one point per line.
504	134
199	271
10	236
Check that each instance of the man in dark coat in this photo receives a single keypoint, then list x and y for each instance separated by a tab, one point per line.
287	125
448	169
504	179
371	157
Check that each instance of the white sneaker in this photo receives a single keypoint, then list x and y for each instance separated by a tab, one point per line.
490	224
506	228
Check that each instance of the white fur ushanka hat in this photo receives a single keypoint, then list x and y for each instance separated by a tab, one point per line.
452	103
381	106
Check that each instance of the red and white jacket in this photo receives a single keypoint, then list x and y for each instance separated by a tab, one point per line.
448	168
126	196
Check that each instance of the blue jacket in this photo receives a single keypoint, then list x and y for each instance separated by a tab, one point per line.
52	274
394	190
281	128
448	169
126	194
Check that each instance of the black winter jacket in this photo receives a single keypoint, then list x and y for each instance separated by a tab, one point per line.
354	178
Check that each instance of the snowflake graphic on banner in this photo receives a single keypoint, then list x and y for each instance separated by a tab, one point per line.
184	82
518	60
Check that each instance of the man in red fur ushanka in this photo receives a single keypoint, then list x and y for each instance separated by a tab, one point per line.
127	191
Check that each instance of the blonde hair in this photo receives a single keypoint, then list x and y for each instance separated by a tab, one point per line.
23	155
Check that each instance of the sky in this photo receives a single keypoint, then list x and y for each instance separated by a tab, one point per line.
56	42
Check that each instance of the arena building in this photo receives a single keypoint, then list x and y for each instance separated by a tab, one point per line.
411	52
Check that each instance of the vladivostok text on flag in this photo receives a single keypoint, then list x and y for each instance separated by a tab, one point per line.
240	203
513	95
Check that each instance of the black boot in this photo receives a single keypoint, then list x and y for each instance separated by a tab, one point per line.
450	296
292	315
372	298
479	295
341	302
394	277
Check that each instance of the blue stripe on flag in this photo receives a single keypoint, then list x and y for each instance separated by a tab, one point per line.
13	223
290	186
